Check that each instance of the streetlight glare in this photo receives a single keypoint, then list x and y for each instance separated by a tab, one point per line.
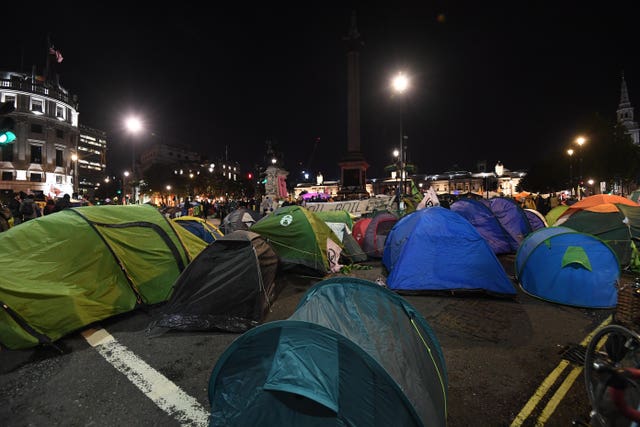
396	153
133	124
581	140
570	151
400	83
74	157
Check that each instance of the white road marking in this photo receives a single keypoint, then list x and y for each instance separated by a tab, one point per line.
165	394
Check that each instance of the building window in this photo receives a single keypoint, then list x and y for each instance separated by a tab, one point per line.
36	128
60	112
9	97
59	133
7	176
35	177
37	105
36	154
59	158
7	152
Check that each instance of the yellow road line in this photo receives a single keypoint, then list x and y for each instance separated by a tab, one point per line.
550	381
558	396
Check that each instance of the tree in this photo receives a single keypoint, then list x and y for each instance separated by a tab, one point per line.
608	155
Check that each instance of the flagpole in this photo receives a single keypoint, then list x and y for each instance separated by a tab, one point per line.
47	59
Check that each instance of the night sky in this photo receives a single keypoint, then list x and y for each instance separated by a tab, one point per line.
503	83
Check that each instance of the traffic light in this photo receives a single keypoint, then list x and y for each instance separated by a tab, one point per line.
250	175
7	124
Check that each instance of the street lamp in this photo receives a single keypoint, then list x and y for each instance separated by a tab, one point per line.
580	141
570	153
590	182
124	197
133	125
74	158
400	84
499	170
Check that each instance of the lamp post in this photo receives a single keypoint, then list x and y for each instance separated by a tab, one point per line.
400	84
570	153
590	182
124	185
499	170
133	125
580	141
74	158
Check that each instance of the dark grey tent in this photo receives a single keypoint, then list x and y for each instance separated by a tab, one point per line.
239	219
229	286
352	354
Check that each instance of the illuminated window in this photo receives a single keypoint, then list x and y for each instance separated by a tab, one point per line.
9	97
60	112
37	105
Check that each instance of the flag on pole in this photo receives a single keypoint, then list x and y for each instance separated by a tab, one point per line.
56	53
415	193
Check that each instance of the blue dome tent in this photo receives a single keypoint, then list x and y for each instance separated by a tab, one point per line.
353	353
512	218
479	214
436	249
565	266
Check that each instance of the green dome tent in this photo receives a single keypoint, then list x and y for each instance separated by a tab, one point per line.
300	238
352	354
63	271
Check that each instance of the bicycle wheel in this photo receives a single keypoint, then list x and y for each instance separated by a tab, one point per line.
615	346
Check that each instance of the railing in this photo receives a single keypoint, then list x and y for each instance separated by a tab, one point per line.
38	88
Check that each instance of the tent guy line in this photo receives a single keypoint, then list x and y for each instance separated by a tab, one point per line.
549	382
164	393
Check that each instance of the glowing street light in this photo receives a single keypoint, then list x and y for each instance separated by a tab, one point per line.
400	84
124	182
74	158
570	153
581	140
134	126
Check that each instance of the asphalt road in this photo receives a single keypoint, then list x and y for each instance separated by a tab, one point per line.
498	354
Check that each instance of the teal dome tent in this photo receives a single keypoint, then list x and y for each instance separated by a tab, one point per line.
352	354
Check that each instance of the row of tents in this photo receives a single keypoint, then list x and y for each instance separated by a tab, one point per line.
95	262
353	352
336	358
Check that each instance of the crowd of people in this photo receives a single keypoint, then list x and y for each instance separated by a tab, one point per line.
24	207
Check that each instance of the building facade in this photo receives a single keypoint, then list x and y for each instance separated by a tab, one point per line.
91	160
39	161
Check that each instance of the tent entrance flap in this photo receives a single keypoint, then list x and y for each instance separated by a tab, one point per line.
300	370
575	255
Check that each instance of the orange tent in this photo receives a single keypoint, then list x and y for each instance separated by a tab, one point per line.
597	203
599	199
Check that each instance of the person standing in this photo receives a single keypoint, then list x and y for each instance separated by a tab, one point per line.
49	207
63	203
28	208
14	207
